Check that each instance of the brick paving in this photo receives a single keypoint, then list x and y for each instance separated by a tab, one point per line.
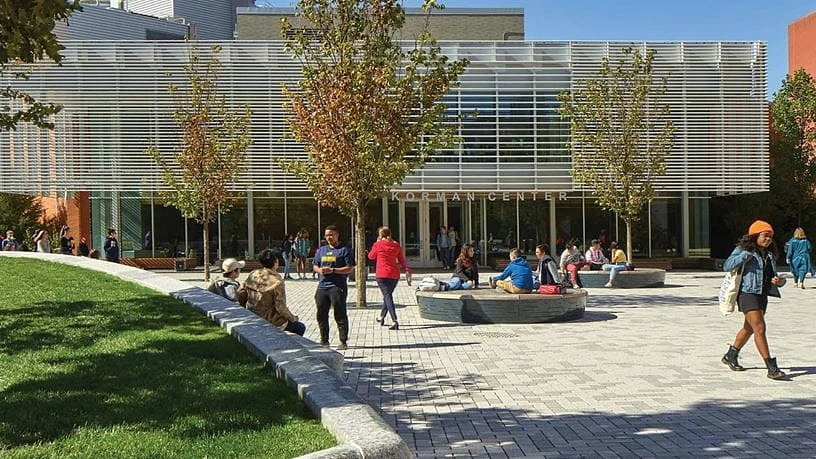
639	375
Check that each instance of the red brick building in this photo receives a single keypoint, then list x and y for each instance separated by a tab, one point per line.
802	44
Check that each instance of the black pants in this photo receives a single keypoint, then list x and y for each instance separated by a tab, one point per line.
332	298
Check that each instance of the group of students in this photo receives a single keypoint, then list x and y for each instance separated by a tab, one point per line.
518	277
42	243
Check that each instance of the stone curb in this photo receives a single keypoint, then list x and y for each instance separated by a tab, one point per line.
313	371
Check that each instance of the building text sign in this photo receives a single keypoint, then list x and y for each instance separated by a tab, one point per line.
470	196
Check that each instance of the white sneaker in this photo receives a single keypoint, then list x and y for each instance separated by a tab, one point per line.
608	284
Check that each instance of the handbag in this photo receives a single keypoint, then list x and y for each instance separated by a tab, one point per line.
729	290
550	289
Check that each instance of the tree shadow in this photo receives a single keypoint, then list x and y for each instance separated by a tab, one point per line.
649	301
410	399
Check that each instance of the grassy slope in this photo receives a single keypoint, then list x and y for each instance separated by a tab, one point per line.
94	366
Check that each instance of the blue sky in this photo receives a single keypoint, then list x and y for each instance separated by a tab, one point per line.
765	20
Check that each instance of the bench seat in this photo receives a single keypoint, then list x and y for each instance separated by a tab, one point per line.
489	306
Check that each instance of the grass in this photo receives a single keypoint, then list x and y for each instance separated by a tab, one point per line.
92	366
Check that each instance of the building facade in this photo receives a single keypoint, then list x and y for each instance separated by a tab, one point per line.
802	44
507	184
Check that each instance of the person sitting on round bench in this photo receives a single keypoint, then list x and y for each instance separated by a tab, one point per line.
519	272
595	256
547	271
571	262
618	263
466	274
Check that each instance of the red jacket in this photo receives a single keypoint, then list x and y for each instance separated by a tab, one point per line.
389	256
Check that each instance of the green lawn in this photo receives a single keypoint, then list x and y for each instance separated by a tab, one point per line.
92	366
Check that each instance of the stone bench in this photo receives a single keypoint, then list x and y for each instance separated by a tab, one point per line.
489	306
639	278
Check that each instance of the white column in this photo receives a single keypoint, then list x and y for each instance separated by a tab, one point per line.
220	253
552	225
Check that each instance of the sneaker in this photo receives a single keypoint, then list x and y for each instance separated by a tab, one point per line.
324	343
575	286
608	284
342	347
394	327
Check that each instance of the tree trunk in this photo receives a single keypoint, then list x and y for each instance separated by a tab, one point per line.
206	250
629	241
361	270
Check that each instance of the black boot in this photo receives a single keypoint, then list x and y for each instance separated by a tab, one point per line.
730	359
773	371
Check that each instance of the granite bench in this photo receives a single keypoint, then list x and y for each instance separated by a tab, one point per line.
639	278
490	306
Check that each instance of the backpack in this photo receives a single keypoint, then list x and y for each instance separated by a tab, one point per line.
217	287
428	284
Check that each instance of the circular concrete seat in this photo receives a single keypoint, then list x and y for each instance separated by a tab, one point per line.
493	307
639	278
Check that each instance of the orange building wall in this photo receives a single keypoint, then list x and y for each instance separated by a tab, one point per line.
74	212
802	44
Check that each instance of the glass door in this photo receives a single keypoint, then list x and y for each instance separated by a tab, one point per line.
411	229
435	221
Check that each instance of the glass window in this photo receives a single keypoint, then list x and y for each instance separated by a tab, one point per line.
534	224
234	229
699	235
501	227
568	223
666	228
269	222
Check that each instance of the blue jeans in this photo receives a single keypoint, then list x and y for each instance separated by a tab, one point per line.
613	269
287	260
387	287
456	284
445	252
298	328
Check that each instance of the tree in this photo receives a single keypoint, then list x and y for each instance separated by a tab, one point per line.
367	110
20	213
620	134
26	36
793	142
212	148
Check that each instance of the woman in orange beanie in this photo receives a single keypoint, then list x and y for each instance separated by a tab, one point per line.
754	254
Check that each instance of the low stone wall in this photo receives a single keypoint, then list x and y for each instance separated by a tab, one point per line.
313	371
491	306
639	278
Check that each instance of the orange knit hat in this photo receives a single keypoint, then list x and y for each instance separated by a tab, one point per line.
760	226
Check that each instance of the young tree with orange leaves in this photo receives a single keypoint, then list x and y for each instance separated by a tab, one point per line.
212	148
368	110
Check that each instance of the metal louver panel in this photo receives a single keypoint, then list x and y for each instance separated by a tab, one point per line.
115	100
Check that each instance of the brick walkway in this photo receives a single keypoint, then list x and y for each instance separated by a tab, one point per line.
639	375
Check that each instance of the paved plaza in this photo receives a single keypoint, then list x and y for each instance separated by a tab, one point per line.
639	375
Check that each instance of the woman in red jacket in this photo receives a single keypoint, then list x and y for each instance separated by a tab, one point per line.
389	257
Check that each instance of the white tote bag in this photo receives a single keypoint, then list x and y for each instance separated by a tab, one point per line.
729	290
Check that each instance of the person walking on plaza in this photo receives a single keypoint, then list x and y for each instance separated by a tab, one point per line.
571	262
754	255
466	274
287	246
41	242
797	252
519	272
334	261
302	246
443	244
66	241
618	263
595	257
264	293
547	272
390	259
111	246
456	246
11	243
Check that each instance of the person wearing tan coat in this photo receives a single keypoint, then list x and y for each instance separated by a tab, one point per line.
264	293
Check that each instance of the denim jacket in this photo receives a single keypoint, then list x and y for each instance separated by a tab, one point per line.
752	277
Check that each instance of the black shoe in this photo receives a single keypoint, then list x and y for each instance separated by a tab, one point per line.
342	347
730	359
394	327
380	320
324	343
773	371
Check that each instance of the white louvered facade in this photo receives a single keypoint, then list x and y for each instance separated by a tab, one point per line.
115	100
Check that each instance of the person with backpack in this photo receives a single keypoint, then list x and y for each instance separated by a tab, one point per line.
228	285
547	272
302	248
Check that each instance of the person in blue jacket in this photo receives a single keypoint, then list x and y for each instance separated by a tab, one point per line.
754	255
519	272
797	252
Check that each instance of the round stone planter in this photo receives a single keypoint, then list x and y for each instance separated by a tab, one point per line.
488	306
639	278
